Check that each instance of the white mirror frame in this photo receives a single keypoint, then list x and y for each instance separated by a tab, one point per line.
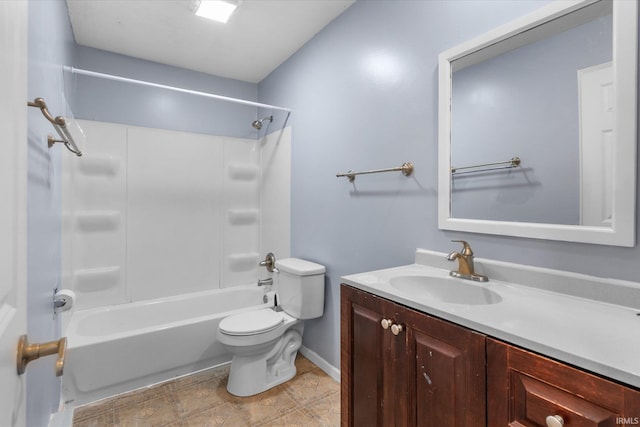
625	48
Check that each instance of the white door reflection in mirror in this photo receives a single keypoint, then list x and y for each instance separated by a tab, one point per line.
596	145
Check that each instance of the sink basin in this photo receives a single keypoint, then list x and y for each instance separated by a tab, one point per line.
446	289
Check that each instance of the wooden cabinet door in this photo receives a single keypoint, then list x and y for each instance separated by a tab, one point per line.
525	388
431	374
372	363
446	373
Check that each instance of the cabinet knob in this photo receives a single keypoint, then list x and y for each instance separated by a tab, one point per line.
396	329
386	323
554	421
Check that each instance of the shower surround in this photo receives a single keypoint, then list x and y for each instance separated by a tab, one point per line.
151	213
154	214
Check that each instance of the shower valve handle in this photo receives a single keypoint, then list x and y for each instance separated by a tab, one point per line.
270	263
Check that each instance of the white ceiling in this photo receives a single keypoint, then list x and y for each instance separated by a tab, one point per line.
259	37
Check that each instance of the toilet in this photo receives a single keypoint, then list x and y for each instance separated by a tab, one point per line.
264	343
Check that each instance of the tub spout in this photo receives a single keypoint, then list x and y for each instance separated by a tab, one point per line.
265	282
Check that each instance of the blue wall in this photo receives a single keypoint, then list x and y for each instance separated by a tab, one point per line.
50	47
132	104
364	95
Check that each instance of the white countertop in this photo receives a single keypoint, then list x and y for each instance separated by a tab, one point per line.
600	335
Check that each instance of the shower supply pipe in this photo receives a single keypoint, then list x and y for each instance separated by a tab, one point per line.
80	71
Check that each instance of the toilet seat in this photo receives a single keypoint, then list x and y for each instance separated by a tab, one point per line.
251	323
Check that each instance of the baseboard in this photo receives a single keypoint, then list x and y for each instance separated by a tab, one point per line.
315	358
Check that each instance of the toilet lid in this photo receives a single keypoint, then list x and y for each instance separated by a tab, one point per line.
251	322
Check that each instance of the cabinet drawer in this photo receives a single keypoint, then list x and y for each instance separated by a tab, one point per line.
535	400
525	388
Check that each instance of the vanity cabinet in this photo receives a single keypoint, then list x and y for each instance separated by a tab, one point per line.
526	389
400	367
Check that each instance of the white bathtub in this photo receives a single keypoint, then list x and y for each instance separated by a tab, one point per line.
120	348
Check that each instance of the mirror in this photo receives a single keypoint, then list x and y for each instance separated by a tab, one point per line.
537	126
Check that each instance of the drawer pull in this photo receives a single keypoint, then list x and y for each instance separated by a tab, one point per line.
386	323
396	329
555	421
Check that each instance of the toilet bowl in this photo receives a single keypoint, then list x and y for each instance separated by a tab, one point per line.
264	343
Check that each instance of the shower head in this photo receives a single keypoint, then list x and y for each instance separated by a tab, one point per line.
258	123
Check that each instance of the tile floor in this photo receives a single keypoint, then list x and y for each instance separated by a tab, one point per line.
311	399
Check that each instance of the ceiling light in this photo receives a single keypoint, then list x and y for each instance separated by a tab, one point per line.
217	10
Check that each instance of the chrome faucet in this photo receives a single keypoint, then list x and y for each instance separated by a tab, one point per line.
465	264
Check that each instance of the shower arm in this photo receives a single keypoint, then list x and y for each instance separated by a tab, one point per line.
257	124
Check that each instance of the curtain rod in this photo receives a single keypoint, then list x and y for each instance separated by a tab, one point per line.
176	89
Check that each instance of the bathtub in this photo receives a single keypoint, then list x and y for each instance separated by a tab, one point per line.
112	350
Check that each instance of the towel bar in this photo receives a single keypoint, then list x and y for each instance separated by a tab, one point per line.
406	169
59	124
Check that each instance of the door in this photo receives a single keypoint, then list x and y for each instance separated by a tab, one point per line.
13	215
596	145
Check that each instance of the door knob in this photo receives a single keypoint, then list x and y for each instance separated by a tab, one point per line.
28	352
554	421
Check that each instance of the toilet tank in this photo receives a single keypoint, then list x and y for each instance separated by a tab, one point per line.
300	287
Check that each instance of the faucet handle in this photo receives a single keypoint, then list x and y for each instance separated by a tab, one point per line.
269	262
466	249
